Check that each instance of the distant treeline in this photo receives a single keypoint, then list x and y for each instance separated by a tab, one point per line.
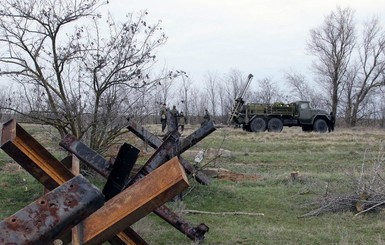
155	119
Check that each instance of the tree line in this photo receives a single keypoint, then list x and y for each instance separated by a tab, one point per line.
84	73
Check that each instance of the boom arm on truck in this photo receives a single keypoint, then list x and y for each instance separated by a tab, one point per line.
258	117
239	100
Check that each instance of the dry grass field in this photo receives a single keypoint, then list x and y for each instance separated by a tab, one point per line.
262	186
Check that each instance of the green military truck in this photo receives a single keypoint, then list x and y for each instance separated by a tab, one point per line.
256	117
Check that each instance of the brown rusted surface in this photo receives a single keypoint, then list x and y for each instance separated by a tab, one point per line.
32	156
197	136
144	135
166	150
195	233
52	214
186	143
135	202
128	236
86	154
36	159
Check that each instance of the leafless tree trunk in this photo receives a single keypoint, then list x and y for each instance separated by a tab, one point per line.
211	90
368	74
332	44
222	102
195	104
185	94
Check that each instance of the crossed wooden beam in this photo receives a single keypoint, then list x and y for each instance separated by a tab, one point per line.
127	199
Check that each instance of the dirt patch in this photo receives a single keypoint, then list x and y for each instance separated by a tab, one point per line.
225	174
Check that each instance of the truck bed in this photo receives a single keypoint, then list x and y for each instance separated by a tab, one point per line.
274	109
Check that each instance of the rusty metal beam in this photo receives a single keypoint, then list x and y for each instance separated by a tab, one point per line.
196	233
32	156
135	202
52	214
197	136
163	212
188	142
166	150
103	167
121	169
86	154
41	164
127	237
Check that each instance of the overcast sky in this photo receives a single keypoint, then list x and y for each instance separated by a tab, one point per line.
262	37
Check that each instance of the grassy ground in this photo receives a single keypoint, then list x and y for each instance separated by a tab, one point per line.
323	161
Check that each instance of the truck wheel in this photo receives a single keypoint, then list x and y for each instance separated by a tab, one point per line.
307	128
258	125
275	125
320	126
246	128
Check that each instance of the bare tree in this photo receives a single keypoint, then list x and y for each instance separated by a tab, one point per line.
300	88
235	82
211	90
185	95
225	112
195	105
268	93
332	44
74	67
165	91
366	74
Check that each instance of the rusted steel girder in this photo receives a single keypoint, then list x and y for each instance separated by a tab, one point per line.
196	136
141	198
169	149
52	214
71	144
32	156
186	143
86	155
121	169
41	164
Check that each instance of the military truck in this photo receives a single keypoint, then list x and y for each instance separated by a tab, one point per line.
257	117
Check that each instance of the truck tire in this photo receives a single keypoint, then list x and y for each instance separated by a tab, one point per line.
258	125
320	126
275	125
307	128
